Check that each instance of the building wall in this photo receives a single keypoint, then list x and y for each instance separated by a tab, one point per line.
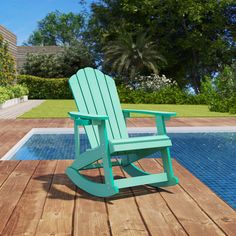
23	51
11	39
20	53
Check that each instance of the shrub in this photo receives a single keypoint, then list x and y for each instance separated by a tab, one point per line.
150	83
63	64
7	65
19	90
221	93
15	91
49	88
4	94
53	88
42	65
168	95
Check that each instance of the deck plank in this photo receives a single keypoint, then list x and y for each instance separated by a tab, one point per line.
12	189
123	212
63	211
90	214
155	212
188	213
6	169
57	214
219	211
26	215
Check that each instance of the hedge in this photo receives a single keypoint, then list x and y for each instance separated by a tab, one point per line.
41	88
168	95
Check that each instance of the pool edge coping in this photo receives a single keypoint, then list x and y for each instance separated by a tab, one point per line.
181	129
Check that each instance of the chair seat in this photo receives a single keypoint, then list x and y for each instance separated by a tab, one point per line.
137	143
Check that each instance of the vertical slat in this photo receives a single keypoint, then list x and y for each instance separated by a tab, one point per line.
89	98
96	93
81	105
100	100
116	106
108	103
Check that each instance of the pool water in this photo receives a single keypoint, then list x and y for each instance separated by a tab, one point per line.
209	156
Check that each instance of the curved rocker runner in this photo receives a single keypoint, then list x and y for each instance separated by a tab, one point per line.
103	119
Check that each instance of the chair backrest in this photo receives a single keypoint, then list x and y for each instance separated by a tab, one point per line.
95	93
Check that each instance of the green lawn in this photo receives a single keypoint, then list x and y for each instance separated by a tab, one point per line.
59	109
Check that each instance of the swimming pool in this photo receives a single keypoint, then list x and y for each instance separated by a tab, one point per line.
210	156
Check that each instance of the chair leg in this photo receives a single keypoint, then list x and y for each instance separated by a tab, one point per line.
168	169
108	173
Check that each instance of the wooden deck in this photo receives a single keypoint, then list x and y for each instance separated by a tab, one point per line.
36	198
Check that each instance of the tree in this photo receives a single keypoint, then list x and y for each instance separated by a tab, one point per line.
57	29
132	54
197	38
7	64
75	57
64	64
45	66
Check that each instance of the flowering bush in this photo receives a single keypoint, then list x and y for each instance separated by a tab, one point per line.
150	83
7	65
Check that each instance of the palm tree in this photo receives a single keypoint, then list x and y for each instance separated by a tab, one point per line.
131	55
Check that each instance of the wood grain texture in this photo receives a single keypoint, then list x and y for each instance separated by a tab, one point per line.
26	215
57	216
6	169
222	214
12	189
124	215
37	198
34	186
185	209
90	215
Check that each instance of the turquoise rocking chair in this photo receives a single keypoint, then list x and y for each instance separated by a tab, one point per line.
103	119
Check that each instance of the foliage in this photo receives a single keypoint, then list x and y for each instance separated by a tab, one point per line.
132	55
57	29
75	57
221	95
166	95
4	94
150	83
42	65
14	91
64	64
7	65
19	90
197	38
42	88
55	88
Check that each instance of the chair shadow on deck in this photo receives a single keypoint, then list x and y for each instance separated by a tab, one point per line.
59	186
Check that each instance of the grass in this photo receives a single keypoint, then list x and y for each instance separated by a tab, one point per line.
60	108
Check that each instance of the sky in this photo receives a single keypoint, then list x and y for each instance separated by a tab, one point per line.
21	16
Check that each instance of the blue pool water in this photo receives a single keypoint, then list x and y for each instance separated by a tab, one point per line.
209	156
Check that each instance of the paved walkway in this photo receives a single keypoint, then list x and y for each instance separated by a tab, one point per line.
19	109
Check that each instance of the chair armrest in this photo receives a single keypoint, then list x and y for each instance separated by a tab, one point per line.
147	112
76	115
